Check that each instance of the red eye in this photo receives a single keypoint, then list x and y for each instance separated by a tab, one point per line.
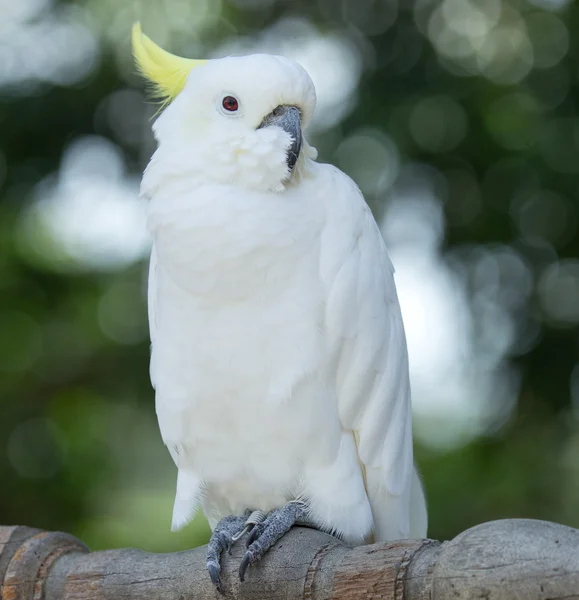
230	103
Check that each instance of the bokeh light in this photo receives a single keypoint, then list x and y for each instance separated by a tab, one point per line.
90	213
37	37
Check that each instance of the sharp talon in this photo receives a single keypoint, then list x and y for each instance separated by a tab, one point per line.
214	569
253	535
245	562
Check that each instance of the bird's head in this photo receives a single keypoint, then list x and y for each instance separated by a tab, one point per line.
235	120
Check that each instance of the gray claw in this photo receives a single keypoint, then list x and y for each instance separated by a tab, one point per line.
254	534
214	569
244	565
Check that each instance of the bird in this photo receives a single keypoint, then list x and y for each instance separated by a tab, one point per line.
278	353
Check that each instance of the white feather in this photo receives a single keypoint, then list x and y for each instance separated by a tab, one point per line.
278	350
365	330
186	498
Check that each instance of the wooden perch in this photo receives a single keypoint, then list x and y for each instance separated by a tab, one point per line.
507	560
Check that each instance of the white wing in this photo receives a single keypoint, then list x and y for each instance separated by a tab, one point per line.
188	484
152	301
152	295
368	345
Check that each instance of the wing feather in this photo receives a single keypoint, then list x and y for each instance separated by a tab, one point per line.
367	341
152	295
152	306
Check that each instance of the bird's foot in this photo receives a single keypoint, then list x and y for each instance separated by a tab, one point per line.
222	539
226	533
264	535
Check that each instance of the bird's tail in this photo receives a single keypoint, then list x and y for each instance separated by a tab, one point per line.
186	499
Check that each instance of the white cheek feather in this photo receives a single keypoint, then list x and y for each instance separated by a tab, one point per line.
253	161
259	160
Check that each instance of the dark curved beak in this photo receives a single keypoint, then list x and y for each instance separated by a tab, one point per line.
287	118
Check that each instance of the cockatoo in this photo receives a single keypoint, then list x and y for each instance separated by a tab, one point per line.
279	358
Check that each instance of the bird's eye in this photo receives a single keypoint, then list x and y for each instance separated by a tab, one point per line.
230	103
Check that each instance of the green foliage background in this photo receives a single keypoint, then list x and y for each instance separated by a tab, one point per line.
79	446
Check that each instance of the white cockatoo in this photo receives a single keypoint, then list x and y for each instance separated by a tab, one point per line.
279	358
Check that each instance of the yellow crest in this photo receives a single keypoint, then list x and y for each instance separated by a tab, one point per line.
164	70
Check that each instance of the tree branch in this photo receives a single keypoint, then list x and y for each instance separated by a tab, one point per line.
516	558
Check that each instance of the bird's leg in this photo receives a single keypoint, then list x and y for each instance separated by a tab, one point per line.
264	535
226	533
